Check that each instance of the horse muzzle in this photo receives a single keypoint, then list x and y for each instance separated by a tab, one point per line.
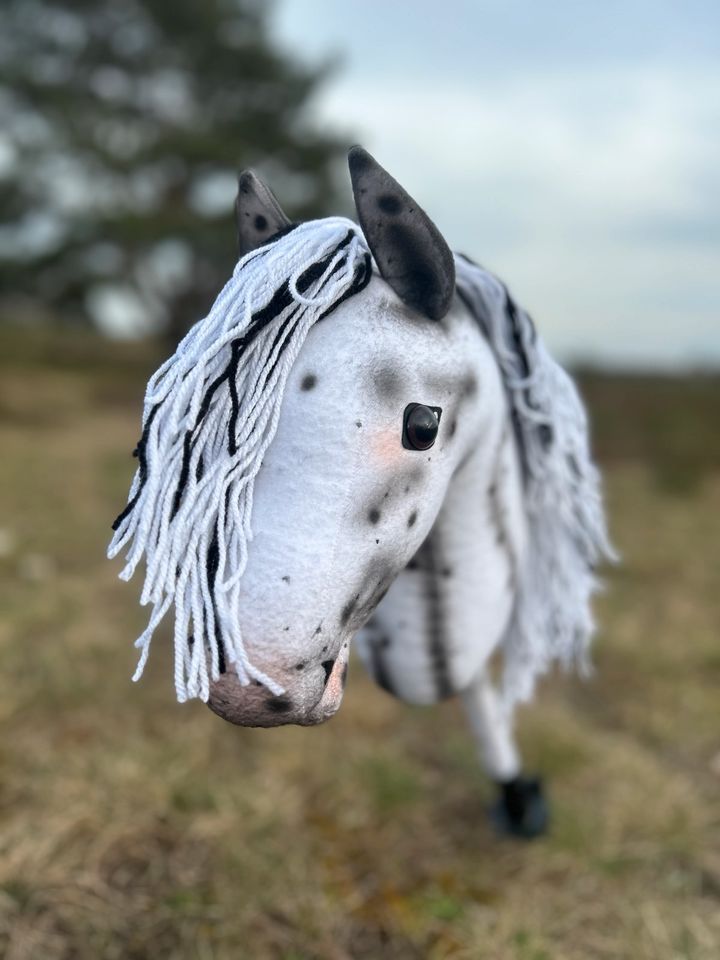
306	702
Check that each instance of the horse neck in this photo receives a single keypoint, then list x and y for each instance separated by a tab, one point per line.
486	406
476	547
486	487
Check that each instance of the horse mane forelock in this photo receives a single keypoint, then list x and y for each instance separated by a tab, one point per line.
210	413
552	620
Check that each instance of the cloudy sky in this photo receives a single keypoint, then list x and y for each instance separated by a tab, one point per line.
573	148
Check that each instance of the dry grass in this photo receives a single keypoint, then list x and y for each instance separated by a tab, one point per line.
131	827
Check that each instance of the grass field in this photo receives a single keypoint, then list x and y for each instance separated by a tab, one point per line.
132	827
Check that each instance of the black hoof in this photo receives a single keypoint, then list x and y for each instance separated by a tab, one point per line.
521	810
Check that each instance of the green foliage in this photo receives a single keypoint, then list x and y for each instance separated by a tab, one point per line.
125	123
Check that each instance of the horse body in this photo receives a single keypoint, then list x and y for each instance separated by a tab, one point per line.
386	496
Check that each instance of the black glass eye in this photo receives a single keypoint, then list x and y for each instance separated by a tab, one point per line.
420	426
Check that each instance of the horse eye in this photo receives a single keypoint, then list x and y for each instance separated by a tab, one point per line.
420	426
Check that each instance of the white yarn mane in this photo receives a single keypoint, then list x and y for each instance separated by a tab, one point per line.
552	620
191	499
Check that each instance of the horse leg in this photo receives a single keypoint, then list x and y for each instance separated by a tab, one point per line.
520	808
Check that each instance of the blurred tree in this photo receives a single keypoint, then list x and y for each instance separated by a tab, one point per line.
123	124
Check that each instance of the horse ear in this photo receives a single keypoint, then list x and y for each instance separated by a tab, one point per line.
408	248
258	215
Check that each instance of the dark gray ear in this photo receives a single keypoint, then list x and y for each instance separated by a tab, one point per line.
409	250
257	213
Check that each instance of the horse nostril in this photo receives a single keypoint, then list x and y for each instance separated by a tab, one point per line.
327	666
279	704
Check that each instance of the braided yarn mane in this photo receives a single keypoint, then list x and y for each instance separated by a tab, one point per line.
552	620
210	413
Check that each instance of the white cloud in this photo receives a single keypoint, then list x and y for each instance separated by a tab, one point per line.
580	187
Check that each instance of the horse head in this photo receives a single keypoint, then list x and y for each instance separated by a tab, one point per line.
374	421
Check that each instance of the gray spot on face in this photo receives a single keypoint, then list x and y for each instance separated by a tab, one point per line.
412	518
388	384
374	515
469	386
308	381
